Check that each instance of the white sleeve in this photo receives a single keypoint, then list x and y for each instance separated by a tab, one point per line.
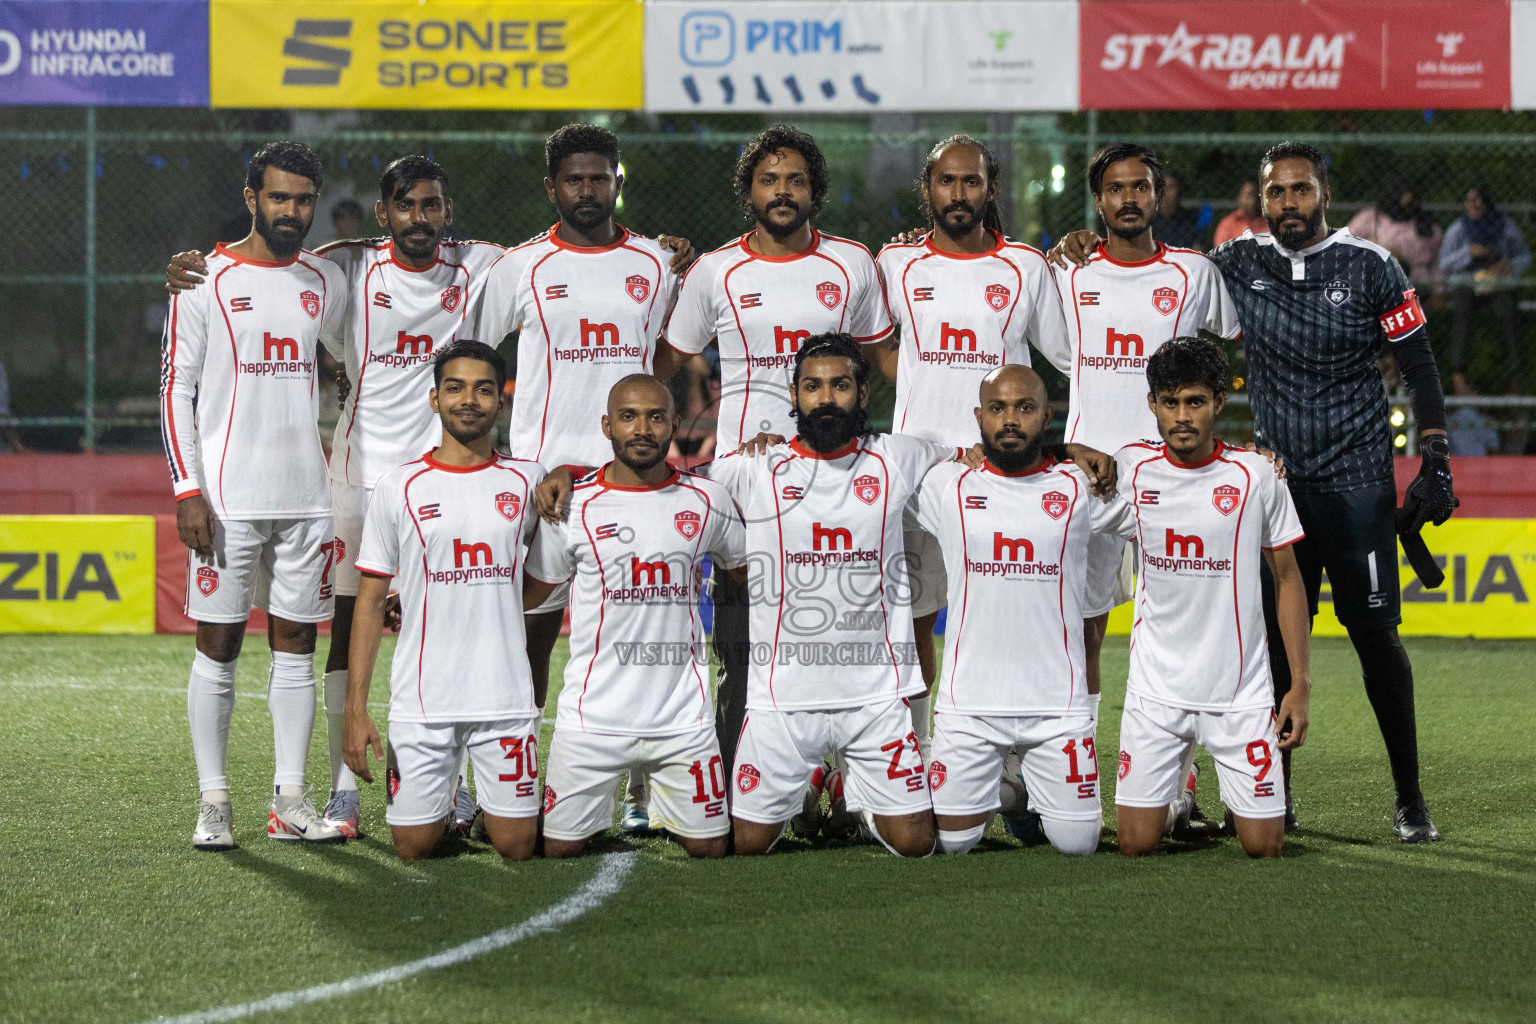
550	558
1047	328
1217	312
482	256
181	367
379	550
1281	524
733	472
1112	515
536	475
728	546
915	457
869	319
338	303
692	326
500	300
932	499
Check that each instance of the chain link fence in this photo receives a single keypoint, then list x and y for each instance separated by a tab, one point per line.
98	199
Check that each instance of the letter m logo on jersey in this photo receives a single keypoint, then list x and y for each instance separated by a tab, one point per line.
1055	504
451	296
637	287
867	488
1225	498
311	303
829	294
508	504
687	523
998	296
1165	300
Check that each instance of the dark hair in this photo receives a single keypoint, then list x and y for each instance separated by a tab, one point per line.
771	140
1118	151
1486	195
293	157
1188	362
580	138
347	208
1297	151
466	349
991	219
406	173
828	345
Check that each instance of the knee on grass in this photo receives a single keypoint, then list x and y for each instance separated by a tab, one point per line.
703	849
1073	838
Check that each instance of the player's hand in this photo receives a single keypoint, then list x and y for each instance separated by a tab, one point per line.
1431	497
553	495
343	388
1101	469
185	271
194	525
1074	249
1274	460
974	457
683	253
759	444
358	733
911	236
1291	720
392	613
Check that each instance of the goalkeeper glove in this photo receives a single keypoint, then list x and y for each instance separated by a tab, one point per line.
1430	497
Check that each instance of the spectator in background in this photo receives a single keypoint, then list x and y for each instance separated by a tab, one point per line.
1400	224
1176	226
1483	254
1246	217
10	437
347	219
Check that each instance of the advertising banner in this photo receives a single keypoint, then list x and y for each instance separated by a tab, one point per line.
450	54
1279	54
1522	44
129	53
77	574
790	56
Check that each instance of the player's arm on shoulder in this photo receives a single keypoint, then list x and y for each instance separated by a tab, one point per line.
1101	469
552	494
681	251
359	733
1074	249
185	271
1291	719
691	326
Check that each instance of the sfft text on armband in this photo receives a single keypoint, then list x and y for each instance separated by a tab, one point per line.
1404	319
464	38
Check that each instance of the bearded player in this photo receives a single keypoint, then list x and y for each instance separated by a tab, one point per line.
636	695
238	411
448	531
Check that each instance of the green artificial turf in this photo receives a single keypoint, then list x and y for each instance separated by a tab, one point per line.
107	914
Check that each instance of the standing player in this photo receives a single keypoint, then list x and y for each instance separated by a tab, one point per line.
1206	514
967	300
1315	305
636	697
449	530
238	412
1016	535
757	300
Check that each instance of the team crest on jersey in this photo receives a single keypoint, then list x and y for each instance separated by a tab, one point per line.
829	294
338	551
936	774
509	505
1336	292
687	524
747	778
637	287
451	296
1225	498
867	489
1055	504
998	296
207	580
1125	766
549	799
1165	300
311	303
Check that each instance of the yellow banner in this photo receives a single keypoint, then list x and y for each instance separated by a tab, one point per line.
77	574
1490	581
443	54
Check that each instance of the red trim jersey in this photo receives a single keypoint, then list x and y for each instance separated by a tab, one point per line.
962	315
400	316
238	404
453	539
588	316
1197	640
758	309
1118	314
831	624
639	663
1016	550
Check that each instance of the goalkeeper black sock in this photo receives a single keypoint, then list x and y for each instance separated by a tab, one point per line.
1389	686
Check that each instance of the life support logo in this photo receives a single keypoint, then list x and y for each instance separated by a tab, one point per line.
1055	504
509	505
637	287
867	489
747	778
1225	498
311	303
207	580
998	296
687	524
1165	300
451	296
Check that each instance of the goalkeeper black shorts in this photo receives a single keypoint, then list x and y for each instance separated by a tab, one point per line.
1351	535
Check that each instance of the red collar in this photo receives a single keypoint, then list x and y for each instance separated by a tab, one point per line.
1215	454
429	460
1045	464
997	247
746	247
554	237
603	481
811	453
1154	258
224	250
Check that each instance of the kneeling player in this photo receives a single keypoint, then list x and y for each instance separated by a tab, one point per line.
450	530
1015	540
1205	513
635	695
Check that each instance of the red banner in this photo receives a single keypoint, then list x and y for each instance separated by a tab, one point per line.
1277	55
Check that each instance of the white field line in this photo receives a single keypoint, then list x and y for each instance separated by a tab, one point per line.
610	876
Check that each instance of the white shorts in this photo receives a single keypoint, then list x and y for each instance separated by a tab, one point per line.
349	506
1154	737
1061	771
1111	574
281	566
422	775
779	750
686	776
925	570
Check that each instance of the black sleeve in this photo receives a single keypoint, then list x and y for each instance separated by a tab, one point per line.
1402	321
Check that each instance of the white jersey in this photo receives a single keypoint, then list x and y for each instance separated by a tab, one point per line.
963	315
453	539
400	317
239	407
1118	315
1198	641
758	309
830	622
588	317
1016	553
639	661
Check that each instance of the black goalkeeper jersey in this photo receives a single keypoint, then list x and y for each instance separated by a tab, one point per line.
1313	323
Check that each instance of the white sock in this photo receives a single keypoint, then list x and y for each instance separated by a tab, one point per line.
210	702
960	841
335	708
635	793
921	721
291	698
1074	838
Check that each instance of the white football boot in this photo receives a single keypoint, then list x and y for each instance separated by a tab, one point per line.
294	818
215	827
